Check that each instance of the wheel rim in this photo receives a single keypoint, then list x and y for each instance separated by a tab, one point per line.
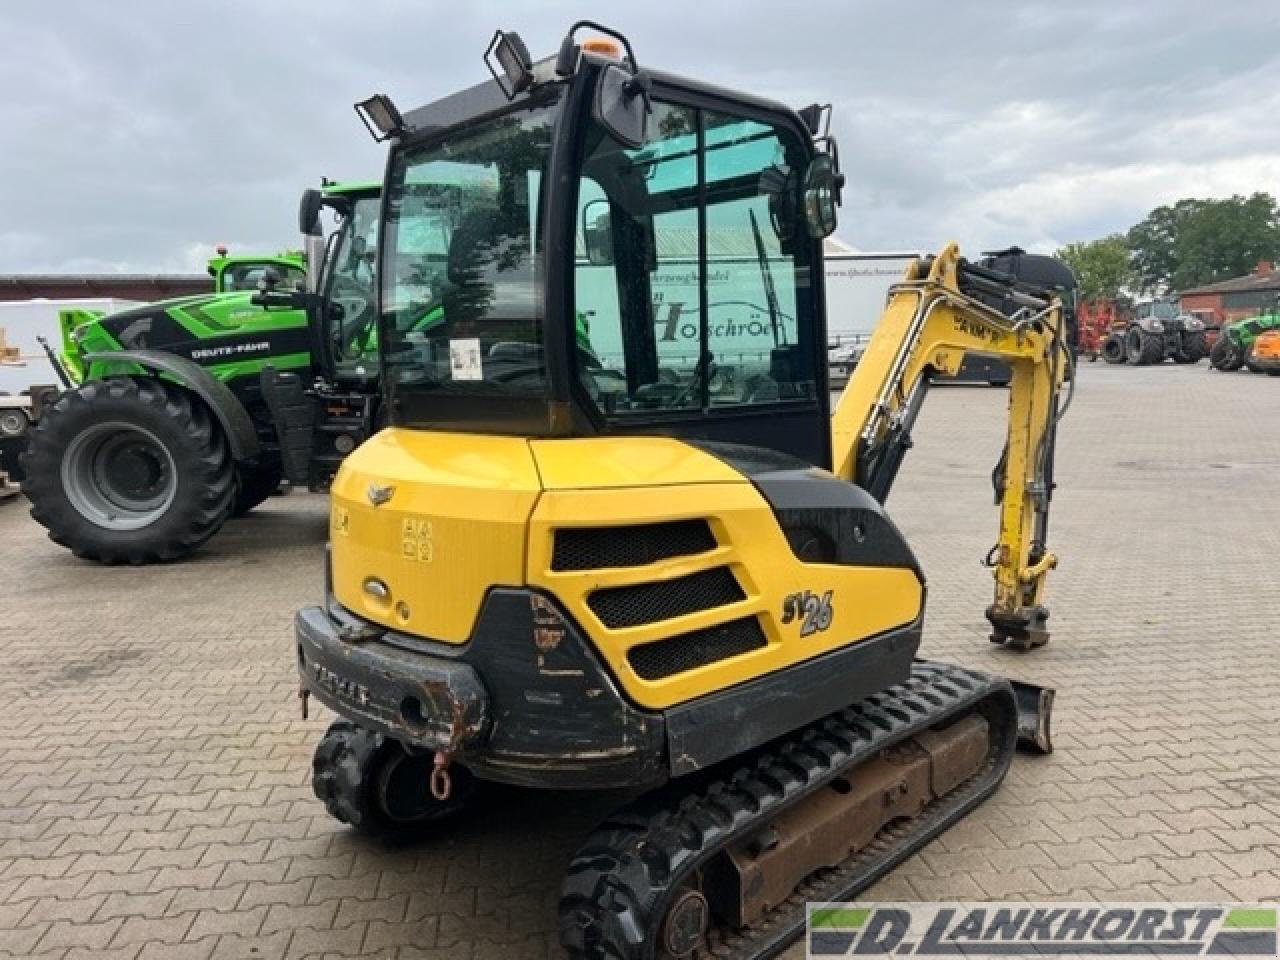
12	423
119	476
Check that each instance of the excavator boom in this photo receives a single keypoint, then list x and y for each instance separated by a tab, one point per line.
932	319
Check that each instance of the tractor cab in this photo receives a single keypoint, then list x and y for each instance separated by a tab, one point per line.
340	297
620	251
233	272
321	420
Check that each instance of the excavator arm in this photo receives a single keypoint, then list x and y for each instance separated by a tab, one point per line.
939	313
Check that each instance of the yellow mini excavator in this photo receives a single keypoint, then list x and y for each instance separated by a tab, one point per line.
614	535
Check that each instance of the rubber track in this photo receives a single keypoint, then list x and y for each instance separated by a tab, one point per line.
618	884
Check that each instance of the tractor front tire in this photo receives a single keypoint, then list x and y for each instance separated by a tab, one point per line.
1142	348
255	484
1113	349
1193	348
1226	355
370	782
128	470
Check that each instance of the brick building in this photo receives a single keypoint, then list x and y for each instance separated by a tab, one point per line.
1237	298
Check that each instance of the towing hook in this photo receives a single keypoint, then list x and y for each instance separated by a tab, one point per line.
441	782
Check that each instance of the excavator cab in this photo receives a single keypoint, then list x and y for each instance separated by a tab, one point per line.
614	536
594	288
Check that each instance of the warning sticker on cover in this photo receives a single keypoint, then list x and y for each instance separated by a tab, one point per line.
464	359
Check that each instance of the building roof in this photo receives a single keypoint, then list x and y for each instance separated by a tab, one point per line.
1263	278
123	286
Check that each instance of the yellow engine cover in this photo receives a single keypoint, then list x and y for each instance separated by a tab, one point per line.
461	513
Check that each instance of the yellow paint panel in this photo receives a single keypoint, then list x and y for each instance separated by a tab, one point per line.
865	600
453	526
607	462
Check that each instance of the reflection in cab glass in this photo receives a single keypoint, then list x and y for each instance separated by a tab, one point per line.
460	272
682	308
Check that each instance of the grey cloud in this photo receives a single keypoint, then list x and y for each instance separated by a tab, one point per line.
134	136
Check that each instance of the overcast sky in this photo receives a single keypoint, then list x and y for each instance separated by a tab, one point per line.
136	134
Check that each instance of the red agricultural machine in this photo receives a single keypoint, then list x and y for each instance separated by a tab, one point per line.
1095	319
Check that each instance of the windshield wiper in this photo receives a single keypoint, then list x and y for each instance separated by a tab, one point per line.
770	294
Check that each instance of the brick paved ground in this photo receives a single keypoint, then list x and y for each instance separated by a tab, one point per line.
153	791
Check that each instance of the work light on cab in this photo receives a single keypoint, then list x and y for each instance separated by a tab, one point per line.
380	117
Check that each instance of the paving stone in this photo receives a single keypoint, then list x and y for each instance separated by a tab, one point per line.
270	947
63	933
285	917
158	929
245	923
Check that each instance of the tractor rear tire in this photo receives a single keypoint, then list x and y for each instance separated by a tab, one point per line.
371	783
1113	349
254	485
128	470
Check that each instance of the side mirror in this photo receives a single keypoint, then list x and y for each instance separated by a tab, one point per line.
597	233
309	212
822	182
621	105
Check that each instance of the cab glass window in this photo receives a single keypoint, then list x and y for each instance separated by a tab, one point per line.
349	283
246	276
461	284
693	271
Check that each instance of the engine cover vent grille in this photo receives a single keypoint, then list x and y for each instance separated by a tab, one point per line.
641	603
666	658
594	548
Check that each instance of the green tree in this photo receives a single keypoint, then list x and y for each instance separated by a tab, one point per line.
1194	241
1101	266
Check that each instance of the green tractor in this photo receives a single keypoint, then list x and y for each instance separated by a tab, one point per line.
186	412
231	273
1235	341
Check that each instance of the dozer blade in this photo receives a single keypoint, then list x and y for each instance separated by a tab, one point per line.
723	865
1035	710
